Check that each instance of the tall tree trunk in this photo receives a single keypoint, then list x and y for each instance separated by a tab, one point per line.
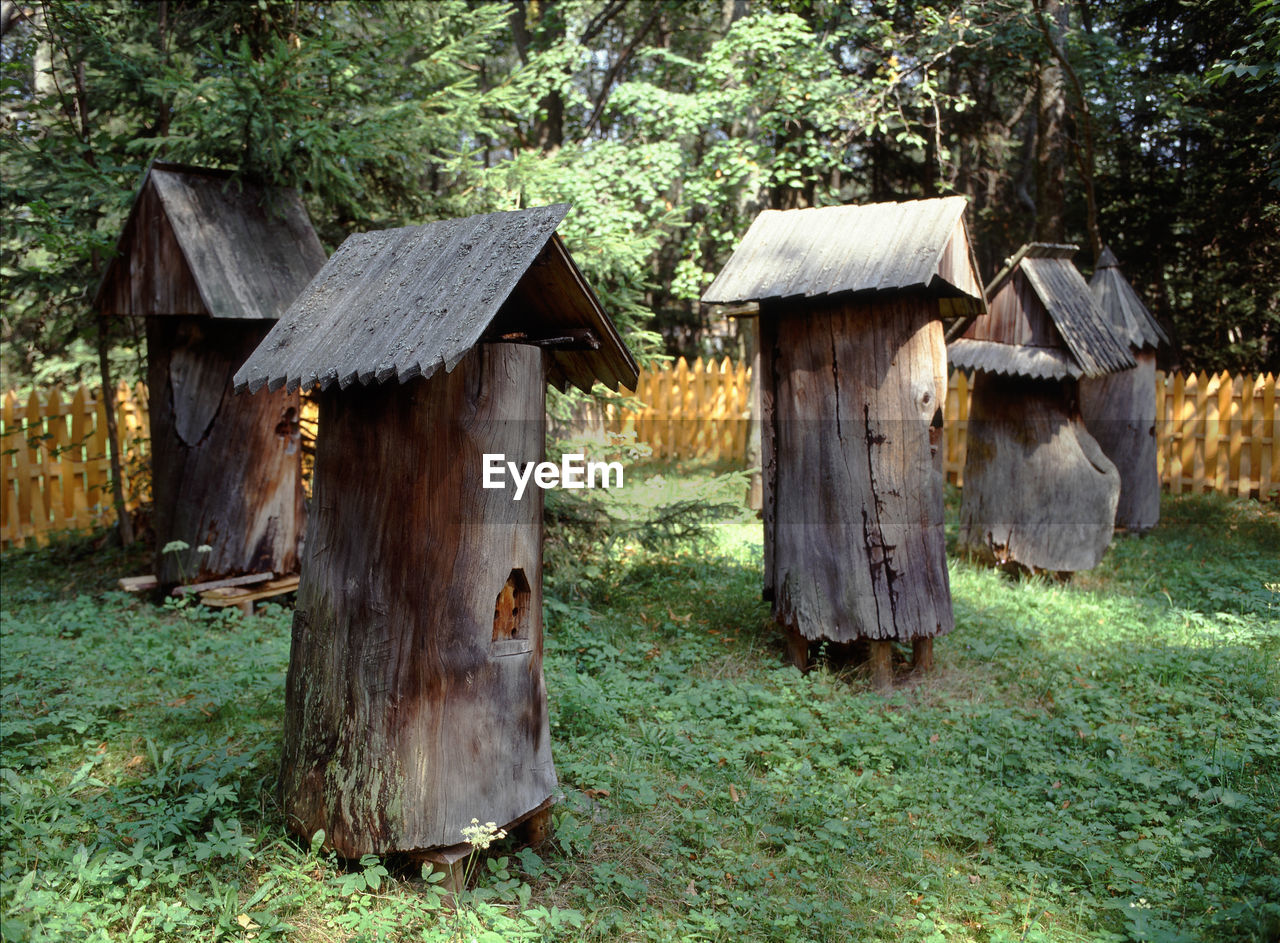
1082	144
1050	165
124	523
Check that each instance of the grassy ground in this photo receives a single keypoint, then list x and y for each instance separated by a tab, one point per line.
1098	760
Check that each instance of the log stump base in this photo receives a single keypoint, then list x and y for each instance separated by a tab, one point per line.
798	650
532	830
876	654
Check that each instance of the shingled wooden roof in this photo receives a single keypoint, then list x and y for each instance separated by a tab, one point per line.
199	242
919	245
1043	322
1120	303
403	303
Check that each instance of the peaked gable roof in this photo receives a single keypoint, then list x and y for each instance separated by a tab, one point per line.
1088	344
405	302
247	250
1119	302
875	247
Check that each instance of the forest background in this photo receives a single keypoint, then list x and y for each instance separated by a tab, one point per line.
1150	126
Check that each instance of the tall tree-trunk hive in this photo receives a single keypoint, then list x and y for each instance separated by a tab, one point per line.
852	378
1120	409
854	540
1038	490
210	262
415	699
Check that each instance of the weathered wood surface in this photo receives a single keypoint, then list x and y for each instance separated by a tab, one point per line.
403	303
755	486
226	470
231	581
1040	300
149	276
415	699
198	242
769	448
855	547
817	252
137	584
1038	491
1119	410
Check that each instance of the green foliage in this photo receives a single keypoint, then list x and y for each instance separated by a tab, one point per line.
1091	761
1256	65
592	533
668	125
283	93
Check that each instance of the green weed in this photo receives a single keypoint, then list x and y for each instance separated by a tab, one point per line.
1098	760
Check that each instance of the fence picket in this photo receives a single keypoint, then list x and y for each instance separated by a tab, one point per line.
1271	437
1235	431
1173	432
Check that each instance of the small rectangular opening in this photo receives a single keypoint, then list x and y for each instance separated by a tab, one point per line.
511	616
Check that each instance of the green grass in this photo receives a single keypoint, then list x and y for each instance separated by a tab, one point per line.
1098	760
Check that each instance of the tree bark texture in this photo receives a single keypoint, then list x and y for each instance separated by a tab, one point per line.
226	470
1038	491
1051	141
415	699
854	546
1119	410
755	489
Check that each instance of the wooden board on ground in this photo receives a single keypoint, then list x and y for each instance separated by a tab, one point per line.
245	598
138	584
230	581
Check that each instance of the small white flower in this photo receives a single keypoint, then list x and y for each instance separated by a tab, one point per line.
480	836
204	548
175	546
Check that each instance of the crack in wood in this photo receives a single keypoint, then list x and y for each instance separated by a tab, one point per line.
886	549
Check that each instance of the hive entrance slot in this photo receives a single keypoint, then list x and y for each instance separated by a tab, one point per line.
511	610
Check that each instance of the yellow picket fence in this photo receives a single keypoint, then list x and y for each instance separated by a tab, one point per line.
1213	433
701	410
55	472
1216	432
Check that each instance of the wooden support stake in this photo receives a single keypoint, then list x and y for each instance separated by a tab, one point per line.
922	655
882	664
451	862
536	828
798	650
